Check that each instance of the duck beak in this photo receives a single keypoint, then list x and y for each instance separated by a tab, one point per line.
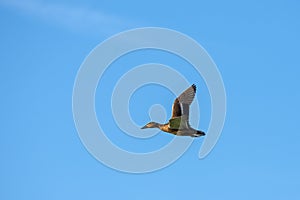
144	127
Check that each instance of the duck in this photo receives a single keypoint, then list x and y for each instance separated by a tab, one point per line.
179	123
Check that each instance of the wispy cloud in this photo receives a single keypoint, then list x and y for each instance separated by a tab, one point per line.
76	18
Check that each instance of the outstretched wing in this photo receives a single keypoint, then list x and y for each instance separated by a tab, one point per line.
181	105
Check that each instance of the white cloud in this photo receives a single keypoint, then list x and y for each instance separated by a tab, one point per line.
81	19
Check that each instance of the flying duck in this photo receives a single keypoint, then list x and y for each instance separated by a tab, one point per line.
179	122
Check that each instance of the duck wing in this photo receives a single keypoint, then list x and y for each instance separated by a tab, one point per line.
181	105
178	123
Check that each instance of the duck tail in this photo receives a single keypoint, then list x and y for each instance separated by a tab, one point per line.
199	133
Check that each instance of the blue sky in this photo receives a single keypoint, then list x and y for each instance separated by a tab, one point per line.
255	45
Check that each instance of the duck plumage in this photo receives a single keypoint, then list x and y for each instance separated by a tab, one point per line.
179	122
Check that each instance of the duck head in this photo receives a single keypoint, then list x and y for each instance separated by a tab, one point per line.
151	125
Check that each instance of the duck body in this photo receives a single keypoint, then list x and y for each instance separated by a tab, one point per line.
179	122
182	132
186	131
